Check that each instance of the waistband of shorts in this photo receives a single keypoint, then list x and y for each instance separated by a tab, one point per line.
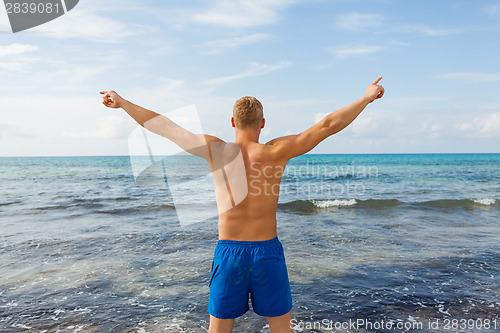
225	242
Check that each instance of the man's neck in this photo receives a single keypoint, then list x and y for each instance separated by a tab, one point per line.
245	136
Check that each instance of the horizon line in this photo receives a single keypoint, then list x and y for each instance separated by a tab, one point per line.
393	153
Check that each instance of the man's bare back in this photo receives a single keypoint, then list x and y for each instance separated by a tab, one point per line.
254	218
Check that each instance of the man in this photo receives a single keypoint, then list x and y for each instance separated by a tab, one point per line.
248	259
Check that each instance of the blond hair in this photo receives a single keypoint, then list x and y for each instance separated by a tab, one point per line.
248	113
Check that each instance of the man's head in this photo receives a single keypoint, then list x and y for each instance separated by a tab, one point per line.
248	114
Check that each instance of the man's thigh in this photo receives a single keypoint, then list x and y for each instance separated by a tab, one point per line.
280	324
220	325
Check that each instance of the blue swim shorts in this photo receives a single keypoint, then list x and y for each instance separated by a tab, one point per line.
243	270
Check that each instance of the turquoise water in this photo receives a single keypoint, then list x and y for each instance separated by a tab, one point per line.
399	237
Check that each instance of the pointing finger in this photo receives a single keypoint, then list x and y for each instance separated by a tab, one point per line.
377	80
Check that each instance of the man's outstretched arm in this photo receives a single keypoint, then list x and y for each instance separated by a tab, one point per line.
295	145
193	143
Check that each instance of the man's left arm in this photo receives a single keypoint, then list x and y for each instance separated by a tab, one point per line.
295	145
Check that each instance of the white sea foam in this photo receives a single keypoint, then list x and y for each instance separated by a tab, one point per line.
485	201
333	203
21	326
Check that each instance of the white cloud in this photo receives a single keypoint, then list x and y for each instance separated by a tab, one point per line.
218	46
302	103
16	53
255	69
14	129
390	125
70	78
90	20
429	31
62	124
356	50
57	73
16	49
399	43
493	10
431	130
241	13
84	22
359	21
178	95
402	102
374	124
4	23
471	77
109	127
480	127
12	65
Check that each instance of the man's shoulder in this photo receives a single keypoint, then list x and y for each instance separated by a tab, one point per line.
263	152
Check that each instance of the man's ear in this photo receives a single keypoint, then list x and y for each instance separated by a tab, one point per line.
263	123
232	122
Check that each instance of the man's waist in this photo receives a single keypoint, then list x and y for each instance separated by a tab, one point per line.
247	243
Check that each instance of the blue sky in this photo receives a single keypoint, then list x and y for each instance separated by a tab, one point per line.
302	59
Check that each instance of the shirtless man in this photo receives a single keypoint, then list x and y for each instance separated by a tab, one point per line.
248	259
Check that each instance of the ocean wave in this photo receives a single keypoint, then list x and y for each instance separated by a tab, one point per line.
459	203
303	206
333	203
8	203
133	210
310	206
368	204
485	201
82	204
380	203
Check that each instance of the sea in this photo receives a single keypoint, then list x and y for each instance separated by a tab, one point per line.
373	243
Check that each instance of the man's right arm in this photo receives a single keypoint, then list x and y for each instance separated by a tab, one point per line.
196	144
290	146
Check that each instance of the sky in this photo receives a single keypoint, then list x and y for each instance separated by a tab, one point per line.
301	58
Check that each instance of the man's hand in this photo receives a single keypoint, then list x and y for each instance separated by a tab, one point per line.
374	91
111	99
